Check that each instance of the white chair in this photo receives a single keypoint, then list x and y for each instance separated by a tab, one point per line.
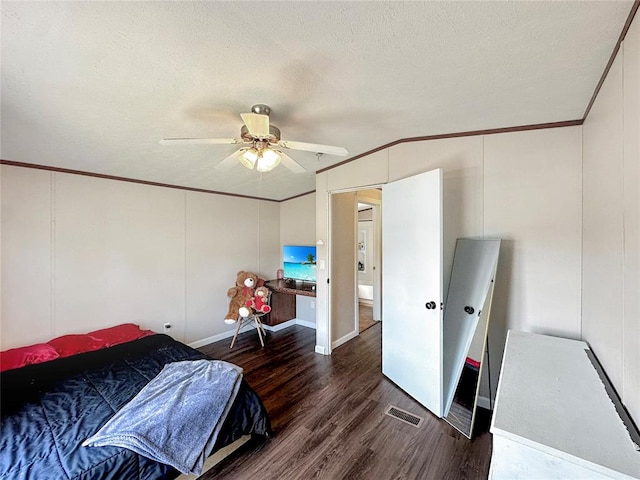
255	319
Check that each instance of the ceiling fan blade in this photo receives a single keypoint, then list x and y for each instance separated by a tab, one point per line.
312	147
230	161
257	124
223	141
290	163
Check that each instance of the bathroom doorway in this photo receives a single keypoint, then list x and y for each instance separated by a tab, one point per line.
368	257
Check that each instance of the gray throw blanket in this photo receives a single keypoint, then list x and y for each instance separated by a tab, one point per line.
175	419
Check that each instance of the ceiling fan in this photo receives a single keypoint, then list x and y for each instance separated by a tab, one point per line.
264	145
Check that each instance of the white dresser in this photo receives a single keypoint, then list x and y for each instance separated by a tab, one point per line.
553	418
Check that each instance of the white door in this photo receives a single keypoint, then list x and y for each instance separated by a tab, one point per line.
412	286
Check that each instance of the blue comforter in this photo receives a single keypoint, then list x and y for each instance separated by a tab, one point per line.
49	409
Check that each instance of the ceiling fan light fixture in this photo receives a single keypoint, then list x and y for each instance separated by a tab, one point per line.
249	158
267	160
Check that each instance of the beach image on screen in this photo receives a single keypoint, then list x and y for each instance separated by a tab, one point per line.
299	262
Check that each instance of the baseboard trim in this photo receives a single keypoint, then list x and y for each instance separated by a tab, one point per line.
345	339
218	337
290	323
280	326
321	350
249	327
306	323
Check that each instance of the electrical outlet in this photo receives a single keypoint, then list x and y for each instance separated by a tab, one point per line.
167	327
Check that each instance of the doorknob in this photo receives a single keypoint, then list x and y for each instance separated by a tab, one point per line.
430	305
469	310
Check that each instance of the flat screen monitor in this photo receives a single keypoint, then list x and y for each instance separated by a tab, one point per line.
299	262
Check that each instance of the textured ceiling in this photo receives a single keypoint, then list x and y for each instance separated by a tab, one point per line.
94	86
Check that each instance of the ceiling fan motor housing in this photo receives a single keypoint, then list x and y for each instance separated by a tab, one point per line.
261	109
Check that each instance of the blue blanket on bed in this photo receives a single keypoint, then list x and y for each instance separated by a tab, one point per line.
159	421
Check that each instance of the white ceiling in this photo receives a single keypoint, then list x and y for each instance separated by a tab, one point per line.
94	86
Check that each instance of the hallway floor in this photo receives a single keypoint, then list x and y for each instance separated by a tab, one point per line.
366	317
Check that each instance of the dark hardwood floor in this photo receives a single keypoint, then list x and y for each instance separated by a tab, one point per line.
328	416
365	317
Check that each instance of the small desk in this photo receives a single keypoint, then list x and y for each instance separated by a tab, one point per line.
283	299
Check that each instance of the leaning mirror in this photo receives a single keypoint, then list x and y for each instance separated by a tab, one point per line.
465	327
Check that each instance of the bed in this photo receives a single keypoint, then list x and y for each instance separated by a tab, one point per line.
49	409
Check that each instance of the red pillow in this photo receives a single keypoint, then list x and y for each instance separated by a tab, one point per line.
19	357
68	345
119	334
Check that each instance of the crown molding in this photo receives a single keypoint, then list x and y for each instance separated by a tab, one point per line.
491	131
623	34
125	179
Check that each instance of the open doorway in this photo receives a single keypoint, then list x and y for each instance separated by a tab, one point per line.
366	268
355	255
368	257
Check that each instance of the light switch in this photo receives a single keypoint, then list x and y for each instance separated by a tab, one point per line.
321	264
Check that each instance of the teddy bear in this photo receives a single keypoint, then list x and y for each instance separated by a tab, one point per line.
259	300
246	282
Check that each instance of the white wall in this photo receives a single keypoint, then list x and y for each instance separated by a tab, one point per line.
532	200
298	221
611	238
306	311
81	253
224	234
523	187
298	227
631	80
323	332
117	254
269	239
26	255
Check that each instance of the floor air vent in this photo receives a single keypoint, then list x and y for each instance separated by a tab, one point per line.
404	416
